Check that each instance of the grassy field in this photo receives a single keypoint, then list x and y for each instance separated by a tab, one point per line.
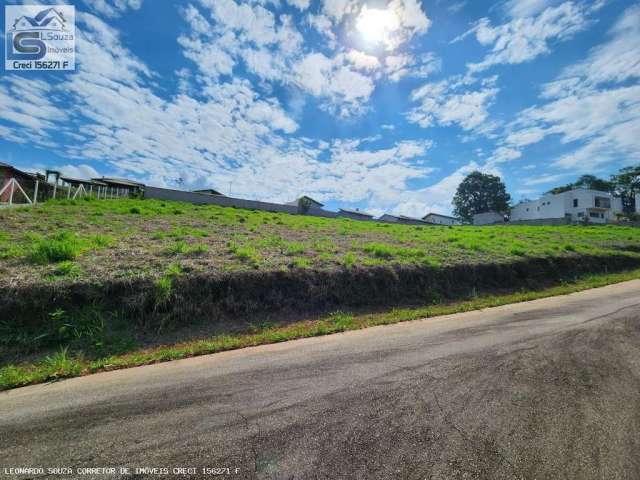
87	286
101	240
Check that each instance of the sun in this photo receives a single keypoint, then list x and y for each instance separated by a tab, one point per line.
376	25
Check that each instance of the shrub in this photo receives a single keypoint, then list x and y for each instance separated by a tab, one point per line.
58	248
301	262
199	248
101	241
349	260
293	248
164	285
61	365
341	321
180	247
379	250
67	269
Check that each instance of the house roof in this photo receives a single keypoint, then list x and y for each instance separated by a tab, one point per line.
119	181
83	181
440	215
414	219
20	172
208	191
356	212
306	197
74	180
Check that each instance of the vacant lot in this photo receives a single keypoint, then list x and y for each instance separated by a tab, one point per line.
94	285
102	240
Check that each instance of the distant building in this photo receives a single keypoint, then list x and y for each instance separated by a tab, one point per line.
488	218
573	206
122	184
208	191
306	204
25	179
439	219
354	214
403	219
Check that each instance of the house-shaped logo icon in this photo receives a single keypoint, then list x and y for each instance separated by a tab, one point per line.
49	19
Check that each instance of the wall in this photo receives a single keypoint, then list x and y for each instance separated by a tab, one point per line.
541	221
487	218
354	216
157	193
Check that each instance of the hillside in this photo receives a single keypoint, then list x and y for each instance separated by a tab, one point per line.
105	240
84	283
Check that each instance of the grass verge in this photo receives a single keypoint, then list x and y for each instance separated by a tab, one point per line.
64	364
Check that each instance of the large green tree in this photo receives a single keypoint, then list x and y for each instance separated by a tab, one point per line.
627	185
586	181
479	193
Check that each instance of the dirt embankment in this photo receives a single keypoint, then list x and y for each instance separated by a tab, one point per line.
189	299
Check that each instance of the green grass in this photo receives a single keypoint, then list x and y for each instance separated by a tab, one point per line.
59	247
63	363
108	238
148	231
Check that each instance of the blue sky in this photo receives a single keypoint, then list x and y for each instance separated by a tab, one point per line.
381	105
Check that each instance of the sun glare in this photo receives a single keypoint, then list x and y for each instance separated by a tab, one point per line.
376	25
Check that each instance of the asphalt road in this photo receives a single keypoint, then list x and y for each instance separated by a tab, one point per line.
545	389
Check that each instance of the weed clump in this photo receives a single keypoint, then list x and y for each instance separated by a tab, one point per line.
62	246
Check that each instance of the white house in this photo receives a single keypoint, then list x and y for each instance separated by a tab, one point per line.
438	219
573	206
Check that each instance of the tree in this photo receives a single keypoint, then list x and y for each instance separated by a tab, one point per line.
479	193
627	185
586	181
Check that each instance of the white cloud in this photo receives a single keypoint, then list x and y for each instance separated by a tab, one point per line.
81	171
299	4
405	65
324	26
436	198
526	37
228	133
113	8
527	8
361	60
337	9
545	179
447	103
503	154
457	7
594	103
345	89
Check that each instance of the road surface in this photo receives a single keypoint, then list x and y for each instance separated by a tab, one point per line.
544	389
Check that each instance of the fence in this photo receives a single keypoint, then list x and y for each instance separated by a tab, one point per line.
31	191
